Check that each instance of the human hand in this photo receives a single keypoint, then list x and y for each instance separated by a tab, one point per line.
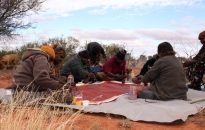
64	78
89	76
189	62
69	85
123	81
137	79
148	67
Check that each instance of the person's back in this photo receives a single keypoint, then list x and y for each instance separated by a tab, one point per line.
32	72
170	82
167	76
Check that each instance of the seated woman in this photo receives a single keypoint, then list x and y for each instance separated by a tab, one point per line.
195	68
114	68
56	65
79	67
167	76
32	74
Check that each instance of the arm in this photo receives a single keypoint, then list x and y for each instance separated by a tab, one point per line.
77	67
189	62
61	81
41	74
152	73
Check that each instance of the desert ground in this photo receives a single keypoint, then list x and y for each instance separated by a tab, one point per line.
90	121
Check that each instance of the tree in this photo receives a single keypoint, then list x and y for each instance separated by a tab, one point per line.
12	14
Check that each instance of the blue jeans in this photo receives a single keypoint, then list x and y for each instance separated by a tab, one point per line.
147	94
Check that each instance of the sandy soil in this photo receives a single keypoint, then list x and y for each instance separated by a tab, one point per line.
114	122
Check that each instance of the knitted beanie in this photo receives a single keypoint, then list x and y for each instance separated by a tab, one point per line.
201	35
84	54
49	50
165	47
121	54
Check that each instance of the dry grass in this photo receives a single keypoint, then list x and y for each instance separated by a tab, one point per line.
25	114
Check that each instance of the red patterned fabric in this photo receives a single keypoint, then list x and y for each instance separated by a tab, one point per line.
105	91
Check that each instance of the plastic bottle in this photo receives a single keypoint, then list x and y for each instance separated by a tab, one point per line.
69	96
70	79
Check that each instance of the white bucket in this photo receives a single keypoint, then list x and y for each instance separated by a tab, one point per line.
5	95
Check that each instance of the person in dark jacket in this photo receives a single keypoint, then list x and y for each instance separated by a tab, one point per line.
148	64
95	51
79	67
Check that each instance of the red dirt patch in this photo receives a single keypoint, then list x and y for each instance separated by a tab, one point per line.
5	82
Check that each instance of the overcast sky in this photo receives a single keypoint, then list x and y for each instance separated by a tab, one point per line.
140	24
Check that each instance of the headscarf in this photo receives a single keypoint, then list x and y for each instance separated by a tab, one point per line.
84	54
201	35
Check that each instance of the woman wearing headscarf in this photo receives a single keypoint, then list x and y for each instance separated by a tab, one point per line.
79	67
167	76
114	68
195	68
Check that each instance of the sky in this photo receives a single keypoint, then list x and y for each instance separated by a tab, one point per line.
139	24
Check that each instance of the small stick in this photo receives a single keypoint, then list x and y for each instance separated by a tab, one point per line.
197	101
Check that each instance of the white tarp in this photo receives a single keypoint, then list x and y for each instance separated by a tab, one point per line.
141	110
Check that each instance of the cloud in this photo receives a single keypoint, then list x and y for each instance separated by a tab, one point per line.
97	11
130	35
142	40
64	6
104	34
188	19
38	18
175	24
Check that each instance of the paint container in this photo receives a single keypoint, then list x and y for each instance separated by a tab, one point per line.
78	99
85	103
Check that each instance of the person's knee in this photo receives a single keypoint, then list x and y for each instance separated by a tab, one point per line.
99	77
147	94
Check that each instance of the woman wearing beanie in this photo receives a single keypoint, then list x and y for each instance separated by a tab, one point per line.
114	68
79	67
166	76
195	68
32	73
